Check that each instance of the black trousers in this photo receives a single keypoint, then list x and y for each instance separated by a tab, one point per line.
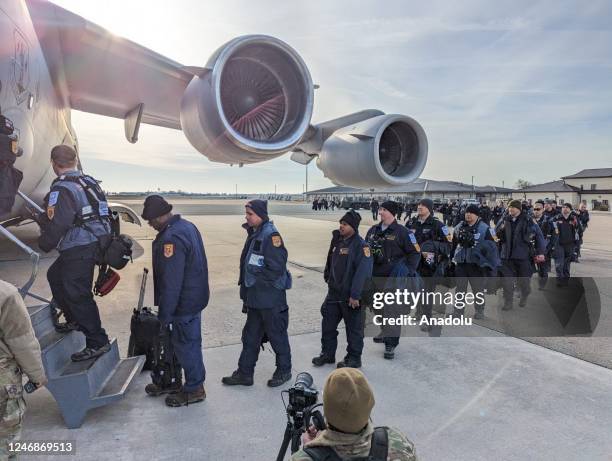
71	278
563	260
375	213
273	323
519	269
354	319
475	275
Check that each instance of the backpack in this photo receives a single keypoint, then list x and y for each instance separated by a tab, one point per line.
116	248
378	451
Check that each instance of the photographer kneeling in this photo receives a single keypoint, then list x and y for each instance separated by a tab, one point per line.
347	403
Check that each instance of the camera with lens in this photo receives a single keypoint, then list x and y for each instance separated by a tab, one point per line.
302	394
376	243
301	413
465	237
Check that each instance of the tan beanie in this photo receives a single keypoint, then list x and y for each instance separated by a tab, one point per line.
347	400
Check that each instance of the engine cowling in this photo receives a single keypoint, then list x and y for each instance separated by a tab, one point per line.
253	104
387	150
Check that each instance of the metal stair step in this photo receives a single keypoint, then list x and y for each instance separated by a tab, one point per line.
119	381
57	348
41	319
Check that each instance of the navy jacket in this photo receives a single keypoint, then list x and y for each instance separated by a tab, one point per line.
348	266
264	278
180	270
516	238
390	247
70	221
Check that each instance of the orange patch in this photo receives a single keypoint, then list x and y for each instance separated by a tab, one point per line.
366	252
50	212
277	241
168	250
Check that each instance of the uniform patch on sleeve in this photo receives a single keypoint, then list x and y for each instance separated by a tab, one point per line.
53	198
168	250
366	252
413	240
277	241
50	212
447	233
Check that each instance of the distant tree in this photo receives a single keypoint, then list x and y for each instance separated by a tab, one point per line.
522	183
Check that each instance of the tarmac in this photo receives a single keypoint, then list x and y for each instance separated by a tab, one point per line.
483	395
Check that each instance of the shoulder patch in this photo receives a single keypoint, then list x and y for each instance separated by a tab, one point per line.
53	196
366	251
277	241
168	250
50	212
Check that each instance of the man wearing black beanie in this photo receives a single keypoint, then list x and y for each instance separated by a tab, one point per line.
180	277
433	238
395	254
264	281
348	266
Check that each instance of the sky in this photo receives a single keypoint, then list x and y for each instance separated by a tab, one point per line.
504	90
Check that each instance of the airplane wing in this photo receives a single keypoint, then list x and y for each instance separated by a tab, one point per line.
98	72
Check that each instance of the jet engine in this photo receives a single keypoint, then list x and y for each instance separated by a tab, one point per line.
252	102
386	150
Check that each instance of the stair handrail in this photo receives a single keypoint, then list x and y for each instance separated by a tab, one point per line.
34	260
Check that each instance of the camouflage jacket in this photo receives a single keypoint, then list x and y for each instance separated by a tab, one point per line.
18	344
349	446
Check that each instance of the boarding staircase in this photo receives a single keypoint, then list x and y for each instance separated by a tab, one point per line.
76	386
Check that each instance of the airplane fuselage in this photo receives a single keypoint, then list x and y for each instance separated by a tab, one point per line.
28	98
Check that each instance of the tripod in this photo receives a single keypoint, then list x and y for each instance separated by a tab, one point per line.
297	422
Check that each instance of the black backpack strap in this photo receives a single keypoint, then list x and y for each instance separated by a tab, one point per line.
379	449
322	453
380	445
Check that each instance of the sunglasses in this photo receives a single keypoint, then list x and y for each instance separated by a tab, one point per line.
538	209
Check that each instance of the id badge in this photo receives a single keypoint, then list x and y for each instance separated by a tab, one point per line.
256	260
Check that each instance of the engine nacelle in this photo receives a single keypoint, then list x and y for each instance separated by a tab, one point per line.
387	150
253	104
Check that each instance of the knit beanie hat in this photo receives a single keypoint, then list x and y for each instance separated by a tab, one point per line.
347	400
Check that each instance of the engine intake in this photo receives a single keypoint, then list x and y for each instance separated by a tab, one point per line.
254	104
387	150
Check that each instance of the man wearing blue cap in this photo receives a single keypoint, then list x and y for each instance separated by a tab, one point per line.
263	282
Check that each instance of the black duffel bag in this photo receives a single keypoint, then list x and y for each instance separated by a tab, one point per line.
118	251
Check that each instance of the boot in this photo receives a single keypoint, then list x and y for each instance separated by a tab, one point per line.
183	398
349	362
154	390
507	305
237	379
322	359
479	314
279	378
89	353
379	338
389	352
65	327
523	301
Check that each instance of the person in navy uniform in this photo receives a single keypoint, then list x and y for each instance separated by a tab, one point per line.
550	237
472	239
434	240
76	218
180	278
348	266
521	240
395	254
568	229
263	282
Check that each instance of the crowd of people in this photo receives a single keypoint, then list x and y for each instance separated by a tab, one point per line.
472	242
